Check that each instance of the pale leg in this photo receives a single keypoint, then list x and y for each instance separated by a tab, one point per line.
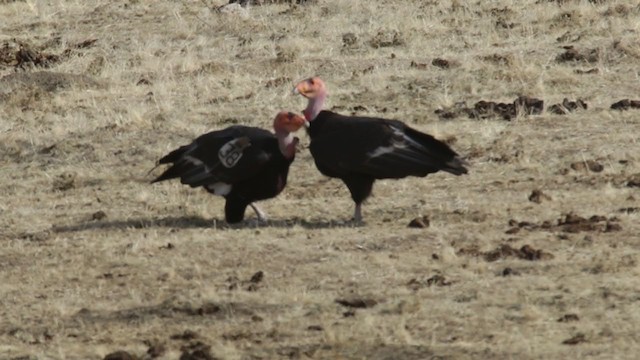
259	213
357	215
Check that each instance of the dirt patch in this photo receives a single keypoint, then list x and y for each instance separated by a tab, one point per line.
572	54
270	2
587	72
196	351
44	80
509	272
185	335
587	165
121	355
386	38
444	63
155	348
567	106
526	252
569	318
436	280
576	339
537	196
65	181
633	180
569	223
357	302
489	109
499	59
24	55
252	284
626	104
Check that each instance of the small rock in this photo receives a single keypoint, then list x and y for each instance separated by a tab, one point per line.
634	181
591	165
120	355
386	39
349	39
537	196
509	272
357	302
568	318
416	65
315	328
438	280
156	348
572	54
444	64
577	339
611	227
420	222
143	81
98	215
24	357
169	246
234	9
196	351
64	182
349	313
257	277
590	71
208	308
185	335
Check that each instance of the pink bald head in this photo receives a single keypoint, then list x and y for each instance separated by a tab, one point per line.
313	89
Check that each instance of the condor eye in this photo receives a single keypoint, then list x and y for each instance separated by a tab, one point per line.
311	81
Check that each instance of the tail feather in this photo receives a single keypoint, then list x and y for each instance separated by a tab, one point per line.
456	166
171	173
433	148
178	167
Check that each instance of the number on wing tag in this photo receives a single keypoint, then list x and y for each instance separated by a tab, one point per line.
231	152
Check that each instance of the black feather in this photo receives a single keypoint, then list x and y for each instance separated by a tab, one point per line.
360	150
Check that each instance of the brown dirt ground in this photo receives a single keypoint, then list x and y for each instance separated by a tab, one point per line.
534	254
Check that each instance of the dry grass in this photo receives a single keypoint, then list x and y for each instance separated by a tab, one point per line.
76	146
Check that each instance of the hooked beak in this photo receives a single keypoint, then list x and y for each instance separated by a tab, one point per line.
298	122
301	89
307	124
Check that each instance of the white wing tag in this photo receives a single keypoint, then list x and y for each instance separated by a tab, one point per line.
231	152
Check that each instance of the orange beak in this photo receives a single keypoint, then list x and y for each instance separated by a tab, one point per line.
302	88
295	122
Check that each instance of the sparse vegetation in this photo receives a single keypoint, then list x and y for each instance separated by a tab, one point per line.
534	254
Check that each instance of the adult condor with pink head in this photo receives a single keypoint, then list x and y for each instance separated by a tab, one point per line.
358	150
241	163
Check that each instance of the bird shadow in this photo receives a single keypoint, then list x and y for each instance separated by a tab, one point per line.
198	222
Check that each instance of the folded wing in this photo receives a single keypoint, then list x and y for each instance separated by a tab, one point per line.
226	156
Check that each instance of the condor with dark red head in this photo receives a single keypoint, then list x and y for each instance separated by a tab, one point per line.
243	164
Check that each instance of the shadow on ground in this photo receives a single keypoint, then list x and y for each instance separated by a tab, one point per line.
194	222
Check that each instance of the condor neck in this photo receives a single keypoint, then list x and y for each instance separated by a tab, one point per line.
314	107
286	143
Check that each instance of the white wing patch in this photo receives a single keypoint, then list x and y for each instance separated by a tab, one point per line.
381	150
405	138
194	161
398	141
231	152
220	188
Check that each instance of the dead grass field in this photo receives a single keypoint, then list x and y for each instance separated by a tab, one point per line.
95	260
